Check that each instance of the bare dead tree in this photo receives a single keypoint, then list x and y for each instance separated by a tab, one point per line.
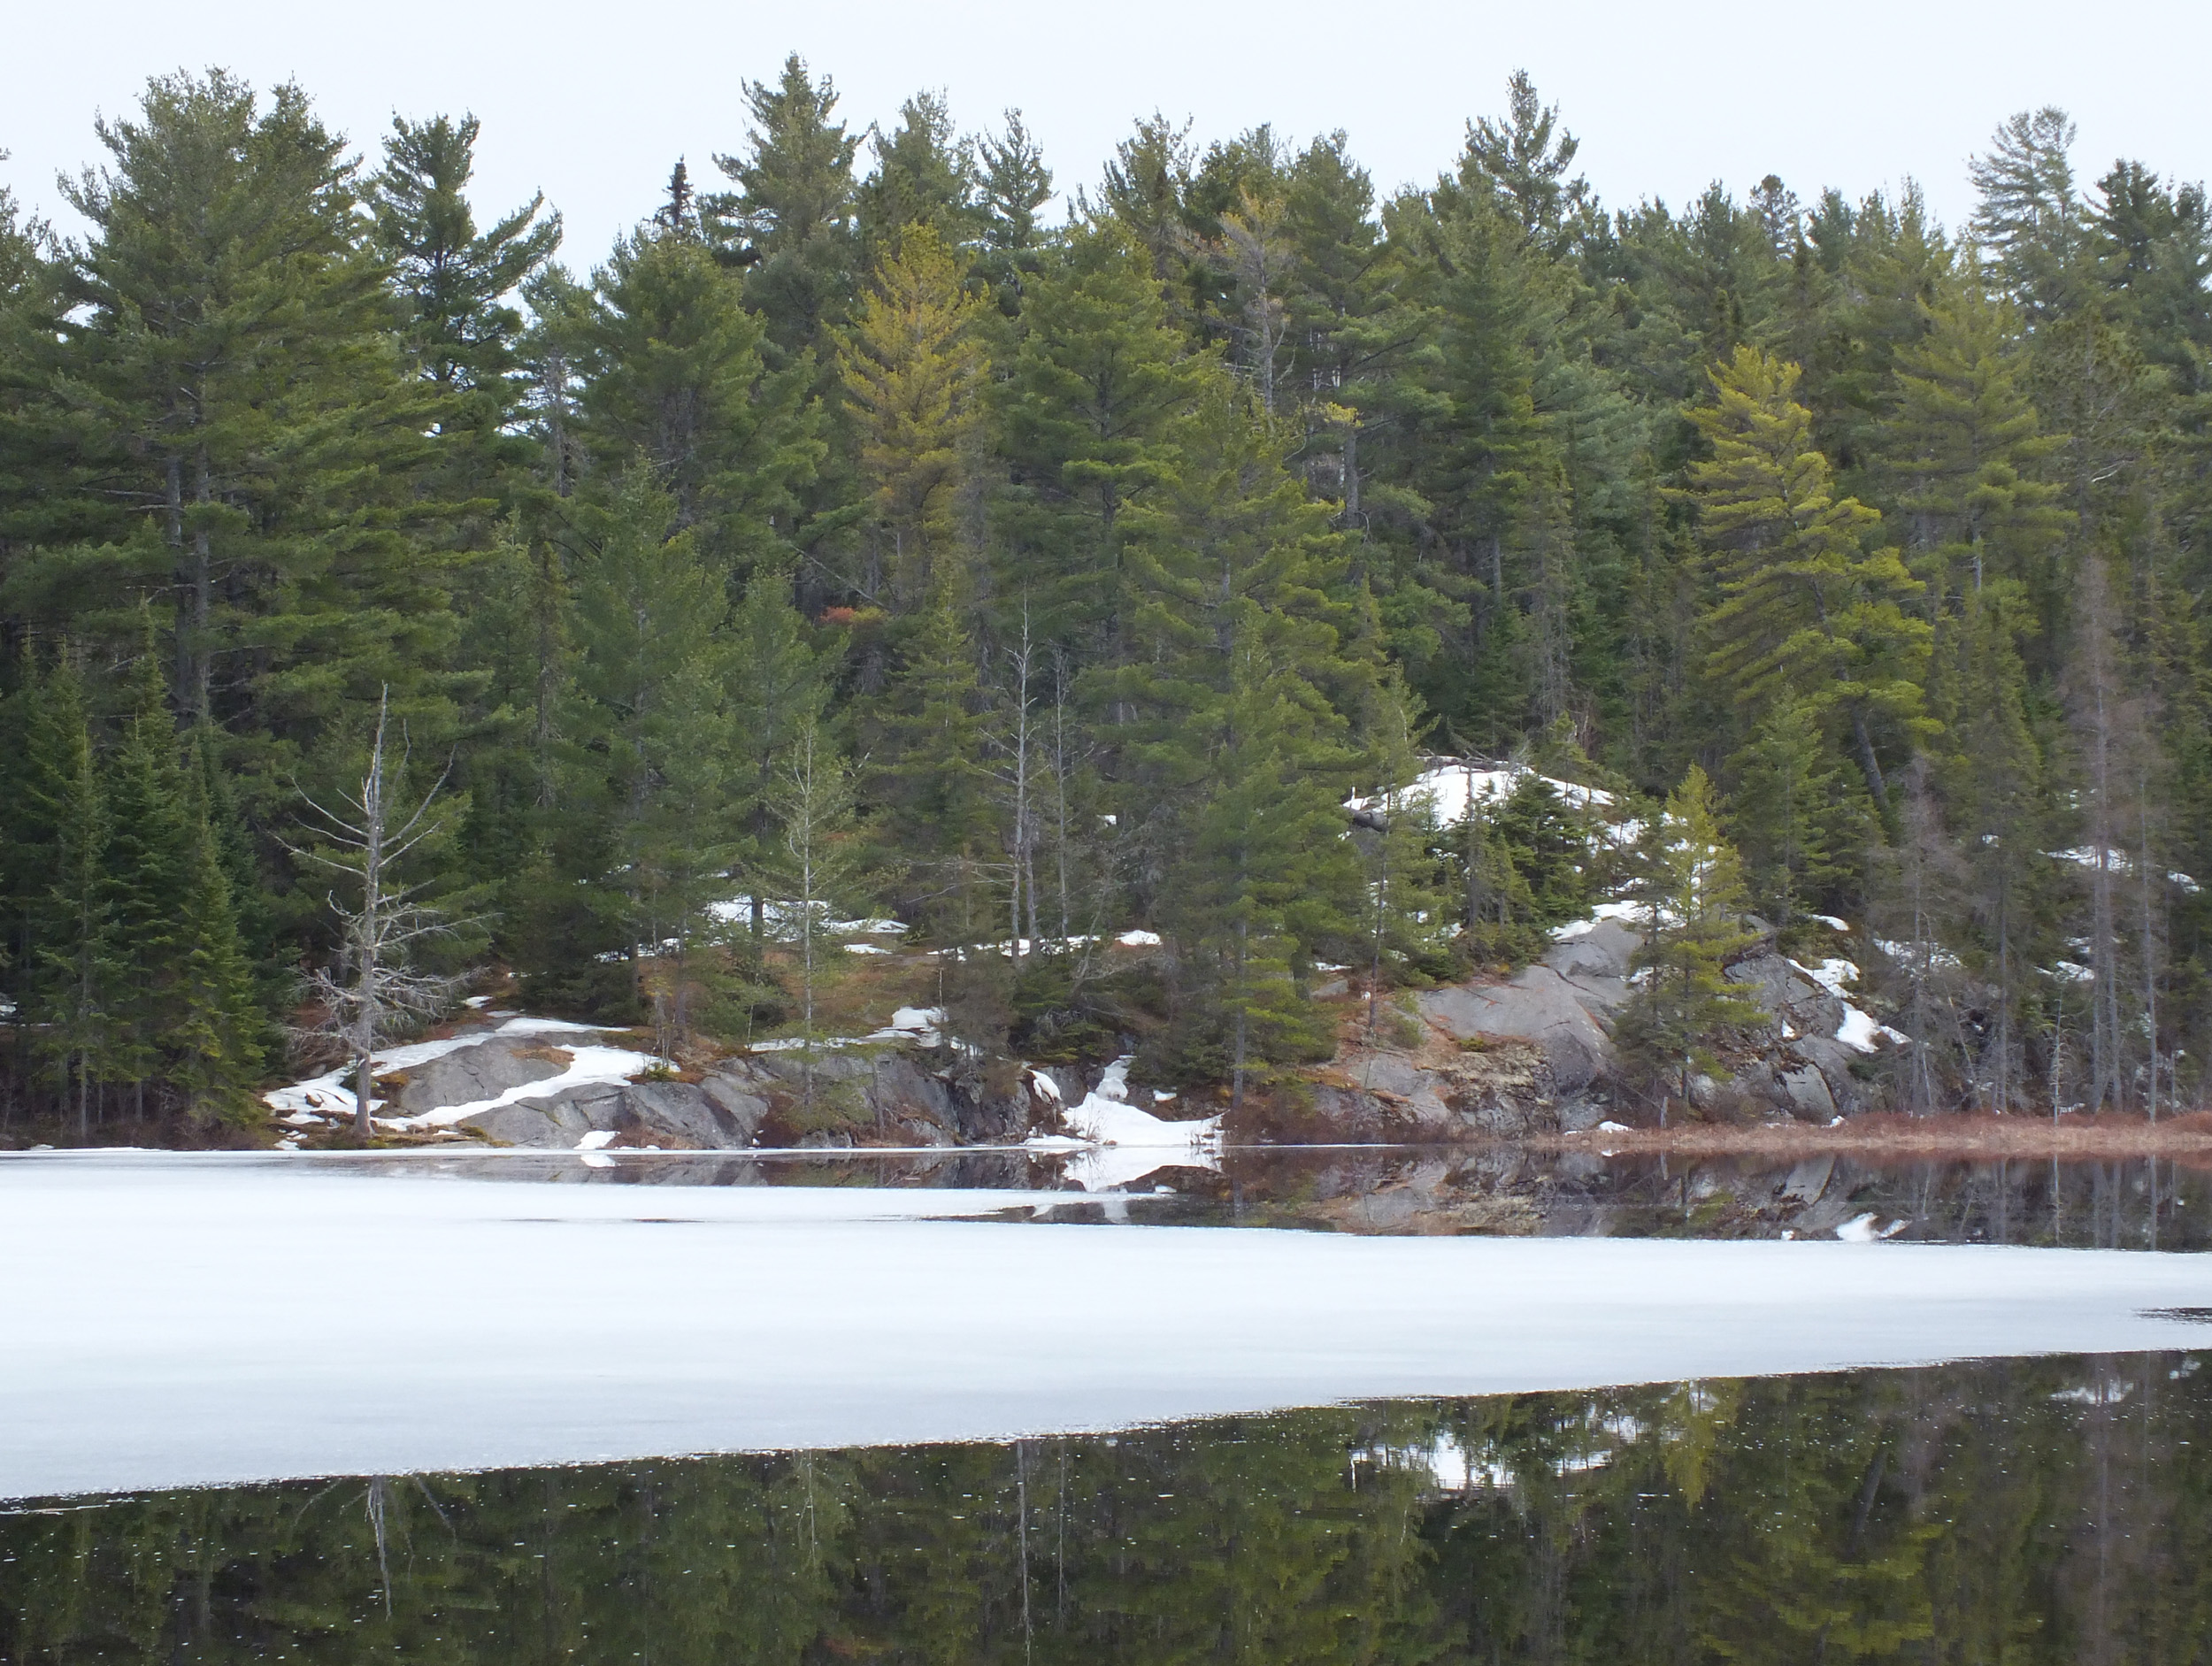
371	990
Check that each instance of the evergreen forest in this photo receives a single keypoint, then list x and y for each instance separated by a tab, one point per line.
892	526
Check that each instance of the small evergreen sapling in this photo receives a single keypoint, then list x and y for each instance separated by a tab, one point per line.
1683	1000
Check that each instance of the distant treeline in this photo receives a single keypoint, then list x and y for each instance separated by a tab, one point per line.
849	533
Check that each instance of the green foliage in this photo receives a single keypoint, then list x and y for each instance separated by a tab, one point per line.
1118	554
1683	1002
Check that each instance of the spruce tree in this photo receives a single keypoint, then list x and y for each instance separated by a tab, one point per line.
1798	822
780	685
147	861
76	981
1683	1002
651	718
214	1028
929	777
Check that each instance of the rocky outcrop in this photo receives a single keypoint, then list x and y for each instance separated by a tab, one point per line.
1558	1005
718	1113
472	1074
1555	1018
903	1094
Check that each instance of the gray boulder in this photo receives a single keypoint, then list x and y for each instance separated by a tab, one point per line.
1603	951
484	1070
1809	1095
1538	1006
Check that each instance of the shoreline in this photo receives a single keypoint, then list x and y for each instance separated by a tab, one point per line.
1875	1137
1891	1134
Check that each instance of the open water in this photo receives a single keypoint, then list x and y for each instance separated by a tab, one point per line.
2053	1508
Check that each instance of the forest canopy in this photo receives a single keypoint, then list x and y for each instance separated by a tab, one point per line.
868	529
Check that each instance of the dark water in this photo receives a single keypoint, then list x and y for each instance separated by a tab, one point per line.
2137	1203
2049	1510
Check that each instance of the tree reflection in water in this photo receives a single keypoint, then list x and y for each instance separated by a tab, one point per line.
2028	1512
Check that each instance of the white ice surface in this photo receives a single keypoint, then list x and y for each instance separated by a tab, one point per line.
187	1321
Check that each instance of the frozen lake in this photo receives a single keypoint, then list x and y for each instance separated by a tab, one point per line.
201	1322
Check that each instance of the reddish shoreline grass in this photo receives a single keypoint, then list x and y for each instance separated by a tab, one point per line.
1890	1135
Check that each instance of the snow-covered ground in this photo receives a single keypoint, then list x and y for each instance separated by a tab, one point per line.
1114	1143
194	1321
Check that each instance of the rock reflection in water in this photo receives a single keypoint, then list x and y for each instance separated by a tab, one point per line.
2052	1511
2131	1203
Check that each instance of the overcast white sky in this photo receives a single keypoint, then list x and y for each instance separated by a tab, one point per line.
592	103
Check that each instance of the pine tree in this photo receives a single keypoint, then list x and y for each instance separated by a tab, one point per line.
1013	184
230	337
1803	608
925	175
672	367
1264	874
912	368
1965	454
1683	1000
1087	413
2030	216
456	280
1528	165
791	215
1237	703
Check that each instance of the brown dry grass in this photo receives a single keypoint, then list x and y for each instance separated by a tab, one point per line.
1890	1135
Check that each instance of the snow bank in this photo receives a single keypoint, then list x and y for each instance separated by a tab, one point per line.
1453	786
1106	1117
1858	1031
532	1323
783	919
1830	974
1115	1143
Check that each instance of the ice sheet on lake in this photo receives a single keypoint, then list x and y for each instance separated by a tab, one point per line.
218	1320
